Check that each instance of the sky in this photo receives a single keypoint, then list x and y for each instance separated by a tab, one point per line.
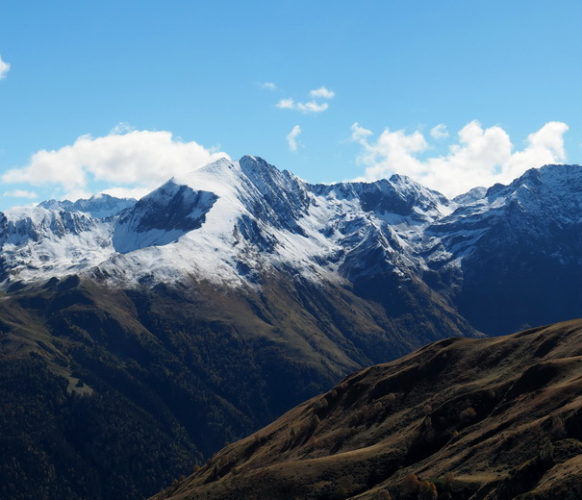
117	97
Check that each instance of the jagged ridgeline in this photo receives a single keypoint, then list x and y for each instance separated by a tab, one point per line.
138	336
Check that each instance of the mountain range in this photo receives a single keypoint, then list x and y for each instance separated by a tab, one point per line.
235	224
155	330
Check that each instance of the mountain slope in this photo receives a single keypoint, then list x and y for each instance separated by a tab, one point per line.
194	316
511	259
110	393
489	418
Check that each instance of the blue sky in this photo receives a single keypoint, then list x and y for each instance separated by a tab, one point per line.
497	71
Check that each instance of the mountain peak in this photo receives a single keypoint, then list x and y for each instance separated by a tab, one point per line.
255	160
401	179
471	196
549	176
99	206
247	214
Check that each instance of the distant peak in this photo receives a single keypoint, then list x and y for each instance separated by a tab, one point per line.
552	170
474	194
255	167
99	205
252	158
401	178
254	162
404	181
212	168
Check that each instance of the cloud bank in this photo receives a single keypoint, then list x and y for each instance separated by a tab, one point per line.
131	163
480	157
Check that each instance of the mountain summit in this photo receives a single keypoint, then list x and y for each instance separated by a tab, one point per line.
233	223
217	222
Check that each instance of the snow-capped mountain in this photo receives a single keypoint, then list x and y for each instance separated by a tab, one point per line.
513	257
99	206
226	296
234	222
220	223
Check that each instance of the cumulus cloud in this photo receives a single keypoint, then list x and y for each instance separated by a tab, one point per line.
20	193
304	107
292	138
322	93
439	131
138	160
4	68
480	157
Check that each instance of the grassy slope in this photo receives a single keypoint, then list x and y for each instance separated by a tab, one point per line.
111	394
493	418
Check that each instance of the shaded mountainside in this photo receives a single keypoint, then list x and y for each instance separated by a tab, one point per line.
110	393
510	259
461	418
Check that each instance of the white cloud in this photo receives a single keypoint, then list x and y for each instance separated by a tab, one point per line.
20	193
125	192
75	194
268	85
360	133
304	107
138	159
439	131
322	93
286	104
481	157
4	68
292	138
311	106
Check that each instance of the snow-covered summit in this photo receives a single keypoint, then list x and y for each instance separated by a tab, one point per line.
398	196
233	222
99	206
535	207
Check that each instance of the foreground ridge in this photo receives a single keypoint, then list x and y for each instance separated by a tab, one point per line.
461	418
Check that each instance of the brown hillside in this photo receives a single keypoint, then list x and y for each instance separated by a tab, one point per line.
108	393
496	418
